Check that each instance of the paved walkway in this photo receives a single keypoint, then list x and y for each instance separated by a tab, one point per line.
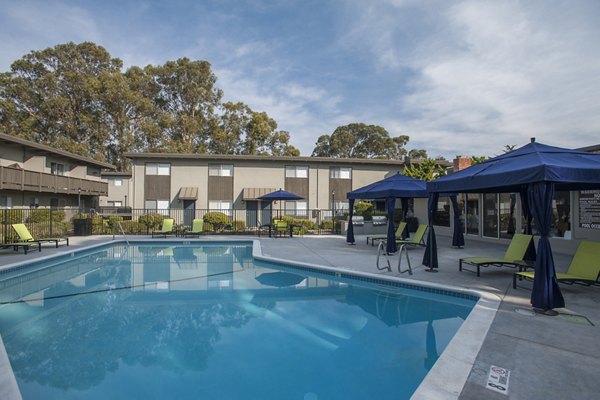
549	357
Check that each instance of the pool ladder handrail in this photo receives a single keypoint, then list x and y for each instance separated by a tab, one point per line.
122	232
403	249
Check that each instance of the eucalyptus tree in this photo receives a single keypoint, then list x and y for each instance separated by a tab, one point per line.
359	140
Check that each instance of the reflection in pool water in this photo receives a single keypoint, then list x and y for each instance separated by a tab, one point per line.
208	321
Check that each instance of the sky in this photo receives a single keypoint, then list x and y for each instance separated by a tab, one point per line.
457	77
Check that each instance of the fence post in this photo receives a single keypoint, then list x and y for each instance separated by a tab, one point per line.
51	218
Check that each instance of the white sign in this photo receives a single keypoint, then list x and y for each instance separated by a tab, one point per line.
498	379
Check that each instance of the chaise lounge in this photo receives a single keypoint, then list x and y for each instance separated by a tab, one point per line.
166	229
512	258
197	228
583	270
399	234
26	237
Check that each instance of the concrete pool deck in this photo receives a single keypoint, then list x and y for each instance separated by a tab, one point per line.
548	357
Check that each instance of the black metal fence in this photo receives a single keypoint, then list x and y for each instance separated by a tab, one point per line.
45	222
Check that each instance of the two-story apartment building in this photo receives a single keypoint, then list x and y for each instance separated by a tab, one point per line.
119	189
35	175
163	181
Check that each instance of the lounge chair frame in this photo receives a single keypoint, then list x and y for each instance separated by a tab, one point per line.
197	228
398	234
583	270
166	229
513	257
26	237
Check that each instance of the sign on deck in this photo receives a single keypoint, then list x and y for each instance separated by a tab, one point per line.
589	209
498	379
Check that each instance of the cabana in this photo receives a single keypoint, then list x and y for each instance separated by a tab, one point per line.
535	171
388	189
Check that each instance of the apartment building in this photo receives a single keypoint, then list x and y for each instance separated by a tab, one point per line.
119	189
162	181
34	175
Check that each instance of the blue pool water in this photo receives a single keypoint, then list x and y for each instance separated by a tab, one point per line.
207	321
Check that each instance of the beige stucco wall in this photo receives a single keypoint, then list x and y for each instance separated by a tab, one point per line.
10	155
117	193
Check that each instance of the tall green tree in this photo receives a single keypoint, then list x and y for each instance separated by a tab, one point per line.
361	141
52	96
187	95
427	170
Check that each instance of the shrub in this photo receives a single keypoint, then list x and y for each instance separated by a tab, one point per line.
13	216
217	220
364	209
132	227
239	226
43	215
151	221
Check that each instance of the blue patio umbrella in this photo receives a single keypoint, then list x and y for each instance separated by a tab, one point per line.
535	171
388	189
280	195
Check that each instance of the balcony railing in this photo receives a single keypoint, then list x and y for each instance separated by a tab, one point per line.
32	181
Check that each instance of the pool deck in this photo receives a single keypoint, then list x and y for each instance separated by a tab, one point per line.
548	357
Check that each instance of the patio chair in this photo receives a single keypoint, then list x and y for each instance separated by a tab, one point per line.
583	270
281	227
418	239
197	228
512	258
24	245
25	236
166	229
399	234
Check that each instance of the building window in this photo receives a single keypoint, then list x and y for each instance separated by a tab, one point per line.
5	202
293	171
118	182
57	169
442	213
220	170
220	205
115	204
341	173
158	169
297	209
160	206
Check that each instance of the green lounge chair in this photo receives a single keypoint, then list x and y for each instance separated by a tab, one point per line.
418	239
281	227
512	258
399	233
25	236
197	228
166	229
583	270
24	245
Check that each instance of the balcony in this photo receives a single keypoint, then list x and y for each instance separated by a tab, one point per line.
31	181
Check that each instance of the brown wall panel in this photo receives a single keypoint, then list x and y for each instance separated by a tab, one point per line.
157	187
220	188
341	188
298	186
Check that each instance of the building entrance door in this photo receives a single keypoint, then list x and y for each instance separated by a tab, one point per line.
189	211
251	213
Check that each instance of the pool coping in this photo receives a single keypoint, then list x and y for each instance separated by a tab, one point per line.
445	380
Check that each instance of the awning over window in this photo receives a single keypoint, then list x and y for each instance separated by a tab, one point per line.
188	193
254	193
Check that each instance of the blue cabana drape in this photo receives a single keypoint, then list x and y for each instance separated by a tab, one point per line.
545	294
350	231
458	238
391	247
430	258
530	253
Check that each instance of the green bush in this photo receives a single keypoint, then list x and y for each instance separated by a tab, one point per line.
301	225
239	226
43	215
13	216
132	227
217	220
151	221
364	209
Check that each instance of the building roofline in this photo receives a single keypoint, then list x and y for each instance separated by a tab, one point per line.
237	157
592	148
47	149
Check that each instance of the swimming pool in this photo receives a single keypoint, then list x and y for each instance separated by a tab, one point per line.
207	320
